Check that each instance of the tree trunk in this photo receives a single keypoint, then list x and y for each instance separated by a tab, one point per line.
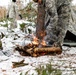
40	33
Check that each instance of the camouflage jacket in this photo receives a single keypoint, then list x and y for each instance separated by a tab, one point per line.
58	13
57	19
12	10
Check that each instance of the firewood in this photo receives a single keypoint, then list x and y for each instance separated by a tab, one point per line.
35	54
30	51
48	50
19	64
37	51
26	50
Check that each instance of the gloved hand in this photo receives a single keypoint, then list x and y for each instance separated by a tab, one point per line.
39	1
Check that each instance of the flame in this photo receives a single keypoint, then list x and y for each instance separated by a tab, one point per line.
35	40
43	43
42	34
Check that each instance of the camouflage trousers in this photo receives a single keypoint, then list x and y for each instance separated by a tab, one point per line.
57	18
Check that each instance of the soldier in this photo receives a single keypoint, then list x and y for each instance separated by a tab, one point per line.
12	13
57	17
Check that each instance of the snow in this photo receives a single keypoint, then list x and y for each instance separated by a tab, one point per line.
4	3
66	62
74	2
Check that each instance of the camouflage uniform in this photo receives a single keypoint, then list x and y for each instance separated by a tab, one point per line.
57	18
13	13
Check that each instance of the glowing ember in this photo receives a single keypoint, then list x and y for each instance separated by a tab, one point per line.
35	40
43	43
42	34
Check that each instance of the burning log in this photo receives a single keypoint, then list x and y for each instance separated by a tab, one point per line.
48	50
35	51
26	50
30	51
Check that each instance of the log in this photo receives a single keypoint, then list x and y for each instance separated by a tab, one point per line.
26	50
30	51
19	64
36	51
48	50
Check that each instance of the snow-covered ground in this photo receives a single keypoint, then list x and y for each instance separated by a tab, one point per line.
66	62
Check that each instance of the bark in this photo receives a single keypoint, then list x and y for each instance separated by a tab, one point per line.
35	51
48	50
19	64
40	33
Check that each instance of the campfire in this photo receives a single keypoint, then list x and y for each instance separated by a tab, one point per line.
38	46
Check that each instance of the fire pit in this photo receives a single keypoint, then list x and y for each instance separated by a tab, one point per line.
37	48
